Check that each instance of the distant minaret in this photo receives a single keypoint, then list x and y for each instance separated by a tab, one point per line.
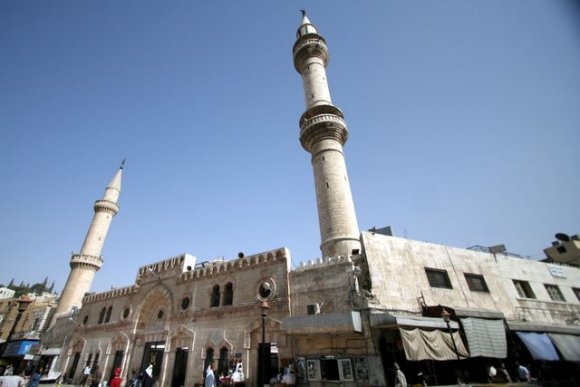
323	132
85	264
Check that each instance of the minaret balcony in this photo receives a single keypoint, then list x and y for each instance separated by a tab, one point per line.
107	206
91	261
320	123
309	46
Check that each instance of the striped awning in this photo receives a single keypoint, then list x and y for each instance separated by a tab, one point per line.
486	338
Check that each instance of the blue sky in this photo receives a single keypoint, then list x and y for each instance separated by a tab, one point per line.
464	121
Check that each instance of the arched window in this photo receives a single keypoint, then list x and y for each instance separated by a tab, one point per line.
109	311
215	296
208	359
228	294
102	315
224	362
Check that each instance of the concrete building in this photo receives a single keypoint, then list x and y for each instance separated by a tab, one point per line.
372	299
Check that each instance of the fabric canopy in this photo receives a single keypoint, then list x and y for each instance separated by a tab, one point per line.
421	344
485	337
539	345
568	345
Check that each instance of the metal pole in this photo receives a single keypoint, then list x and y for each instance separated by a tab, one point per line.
453	340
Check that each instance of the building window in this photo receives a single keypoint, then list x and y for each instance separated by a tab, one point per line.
438	278
224	362
554	292
185	303
126	312
109	311
330	368
85	320
228	294
208	357
215	296
577	293
524	289
102	315
476	283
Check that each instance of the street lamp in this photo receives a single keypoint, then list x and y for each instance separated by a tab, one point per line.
263	350
445	315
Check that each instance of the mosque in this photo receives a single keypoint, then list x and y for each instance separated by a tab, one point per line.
373	301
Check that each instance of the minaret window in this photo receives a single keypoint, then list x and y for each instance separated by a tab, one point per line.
215	296
228	294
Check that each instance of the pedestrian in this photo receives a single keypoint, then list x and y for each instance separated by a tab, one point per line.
117	380
9	370
34	379
86	375
400	379
12	381
96	376
148	377
523	373
209	376
503	374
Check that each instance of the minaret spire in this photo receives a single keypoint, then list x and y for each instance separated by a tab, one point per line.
323	133
85	264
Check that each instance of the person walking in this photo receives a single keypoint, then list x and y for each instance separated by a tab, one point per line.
34	379
117	380
96	376
209	376
148	377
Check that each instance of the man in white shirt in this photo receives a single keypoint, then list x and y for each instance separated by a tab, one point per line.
12	381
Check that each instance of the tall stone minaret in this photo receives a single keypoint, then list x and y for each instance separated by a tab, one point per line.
323	132
85	264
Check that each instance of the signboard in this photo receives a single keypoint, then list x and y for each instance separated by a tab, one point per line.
557	271
18	348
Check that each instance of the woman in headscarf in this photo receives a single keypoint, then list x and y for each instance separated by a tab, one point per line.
116	381
209	376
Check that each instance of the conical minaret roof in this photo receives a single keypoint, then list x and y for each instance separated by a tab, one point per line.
113	189
306	27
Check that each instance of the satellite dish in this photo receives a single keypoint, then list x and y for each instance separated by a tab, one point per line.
562	237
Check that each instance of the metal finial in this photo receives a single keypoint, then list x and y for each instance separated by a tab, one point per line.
123	163
303	12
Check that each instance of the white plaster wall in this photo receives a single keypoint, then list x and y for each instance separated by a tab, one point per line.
397	271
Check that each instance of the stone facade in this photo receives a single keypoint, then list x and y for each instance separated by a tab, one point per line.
178	313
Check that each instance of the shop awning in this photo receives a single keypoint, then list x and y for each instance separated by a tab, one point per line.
323	323
568	345
421	344
485	338
539	345
393	320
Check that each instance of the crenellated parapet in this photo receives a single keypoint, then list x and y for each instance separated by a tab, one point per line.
218	268
324	262
87	261
114	293
171	267
106	206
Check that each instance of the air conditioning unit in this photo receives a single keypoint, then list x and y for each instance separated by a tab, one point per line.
313	308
